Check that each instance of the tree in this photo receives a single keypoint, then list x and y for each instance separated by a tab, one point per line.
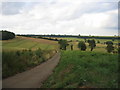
63	44
119	50
6	35
85	39
118	44
71	46
113	39
98	41
109	48
109	42
82	45
92	44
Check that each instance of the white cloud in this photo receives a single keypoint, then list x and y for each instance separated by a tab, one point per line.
63	17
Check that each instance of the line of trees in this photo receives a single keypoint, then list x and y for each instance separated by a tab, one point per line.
92	44
74	36
6	35
83	46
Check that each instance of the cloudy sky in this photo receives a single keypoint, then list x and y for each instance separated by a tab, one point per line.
96	17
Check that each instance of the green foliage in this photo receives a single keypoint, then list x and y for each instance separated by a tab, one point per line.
19	61
82	45
89	69
92	44
63	44
109	47
71	46
98	41
119	49
7	35
85	39
109	42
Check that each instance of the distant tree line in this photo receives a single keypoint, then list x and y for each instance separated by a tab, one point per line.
6	35
81	45
74	36
49	38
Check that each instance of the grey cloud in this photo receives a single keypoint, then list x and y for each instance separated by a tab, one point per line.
94	7
11	8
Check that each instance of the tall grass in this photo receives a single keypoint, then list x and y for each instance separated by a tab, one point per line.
85	69
19	61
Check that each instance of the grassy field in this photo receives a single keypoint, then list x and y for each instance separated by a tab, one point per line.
20	43
96	69
23	53
80	39
79	69
99	47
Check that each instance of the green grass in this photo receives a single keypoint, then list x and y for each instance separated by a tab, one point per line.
20	44
21	53
19	61
79	39
84	69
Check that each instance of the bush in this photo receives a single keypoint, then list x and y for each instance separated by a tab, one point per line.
109	42
82	45
92	44
98	41
63	44
109	48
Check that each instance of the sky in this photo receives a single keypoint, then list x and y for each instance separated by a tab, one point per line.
72	17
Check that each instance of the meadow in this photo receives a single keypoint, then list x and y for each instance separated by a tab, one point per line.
100	47
81	39
22	53
76	69
20	43
85	69
79	69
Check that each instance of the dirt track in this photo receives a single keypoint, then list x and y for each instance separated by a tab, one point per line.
32	78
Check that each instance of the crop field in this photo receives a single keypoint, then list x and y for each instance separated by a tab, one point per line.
21	53
100	47
20	43
83	69
81	39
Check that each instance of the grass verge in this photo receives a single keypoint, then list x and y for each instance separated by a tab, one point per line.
14	62
79	69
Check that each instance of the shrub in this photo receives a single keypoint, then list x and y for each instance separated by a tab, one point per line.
82	45
92	44
63	44
98	41
109	42
109	48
